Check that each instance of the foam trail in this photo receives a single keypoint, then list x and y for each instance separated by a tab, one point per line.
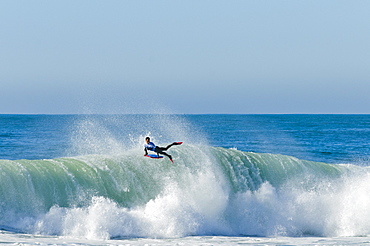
209	191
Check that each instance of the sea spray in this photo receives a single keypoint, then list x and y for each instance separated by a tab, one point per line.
209	191
115	134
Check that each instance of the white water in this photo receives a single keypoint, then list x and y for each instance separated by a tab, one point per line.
213	191
7	238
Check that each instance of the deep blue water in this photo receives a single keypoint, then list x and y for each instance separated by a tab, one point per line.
325	138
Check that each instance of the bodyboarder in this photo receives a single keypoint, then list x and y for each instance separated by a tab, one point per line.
159	150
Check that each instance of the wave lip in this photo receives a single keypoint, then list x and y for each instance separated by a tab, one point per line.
209	191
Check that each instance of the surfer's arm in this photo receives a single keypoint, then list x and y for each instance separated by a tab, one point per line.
145	151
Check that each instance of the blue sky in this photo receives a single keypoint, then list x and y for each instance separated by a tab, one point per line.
185	56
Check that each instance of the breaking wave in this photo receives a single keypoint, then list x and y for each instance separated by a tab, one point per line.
208	191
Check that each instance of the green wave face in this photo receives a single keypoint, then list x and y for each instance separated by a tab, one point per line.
208	191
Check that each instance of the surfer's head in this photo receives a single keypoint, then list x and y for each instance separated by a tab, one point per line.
147	139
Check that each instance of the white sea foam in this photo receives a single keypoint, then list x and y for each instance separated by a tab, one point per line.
214	191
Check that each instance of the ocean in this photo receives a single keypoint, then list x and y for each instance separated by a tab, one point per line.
236	179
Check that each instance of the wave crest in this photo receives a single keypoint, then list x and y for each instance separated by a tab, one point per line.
209	191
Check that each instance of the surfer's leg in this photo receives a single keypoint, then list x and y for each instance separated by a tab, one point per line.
170	145
159	149
169	156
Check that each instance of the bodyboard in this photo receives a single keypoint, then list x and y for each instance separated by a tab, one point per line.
154	156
